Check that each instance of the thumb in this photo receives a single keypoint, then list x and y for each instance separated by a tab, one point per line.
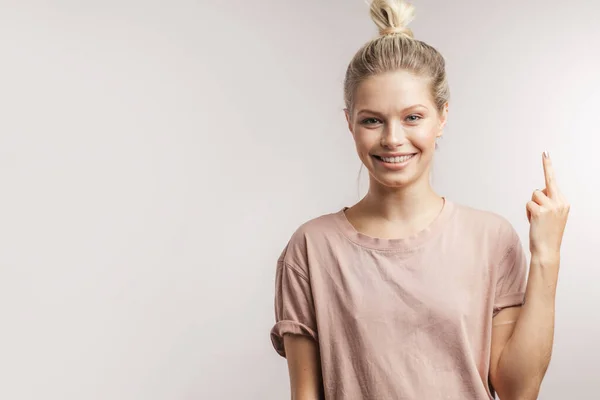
532	209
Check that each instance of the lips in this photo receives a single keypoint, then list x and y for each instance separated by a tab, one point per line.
395	159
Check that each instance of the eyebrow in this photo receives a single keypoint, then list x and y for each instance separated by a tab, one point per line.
378	113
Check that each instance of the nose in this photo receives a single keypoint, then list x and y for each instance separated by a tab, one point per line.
392	135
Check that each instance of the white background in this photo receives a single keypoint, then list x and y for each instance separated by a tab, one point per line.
155	157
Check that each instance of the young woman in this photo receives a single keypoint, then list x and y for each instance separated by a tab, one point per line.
406	295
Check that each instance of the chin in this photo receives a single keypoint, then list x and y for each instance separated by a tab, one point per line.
394	183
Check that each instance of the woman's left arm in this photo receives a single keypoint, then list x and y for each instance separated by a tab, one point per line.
522	337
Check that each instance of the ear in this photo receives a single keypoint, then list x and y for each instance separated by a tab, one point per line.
443	118
348	120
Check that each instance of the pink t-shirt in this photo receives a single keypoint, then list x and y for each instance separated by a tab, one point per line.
401	318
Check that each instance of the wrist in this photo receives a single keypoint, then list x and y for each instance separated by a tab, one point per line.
543	276
546	258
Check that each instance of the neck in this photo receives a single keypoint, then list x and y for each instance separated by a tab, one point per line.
405	204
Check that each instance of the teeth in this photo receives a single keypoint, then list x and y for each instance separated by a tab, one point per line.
397	159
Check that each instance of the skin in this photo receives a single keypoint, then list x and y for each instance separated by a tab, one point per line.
395	113
304	368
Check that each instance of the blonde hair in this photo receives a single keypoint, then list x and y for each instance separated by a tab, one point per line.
396	49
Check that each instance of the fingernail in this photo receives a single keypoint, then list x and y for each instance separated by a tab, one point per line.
546	154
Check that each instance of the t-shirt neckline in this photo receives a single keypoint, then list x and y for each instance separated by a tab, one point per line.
404	244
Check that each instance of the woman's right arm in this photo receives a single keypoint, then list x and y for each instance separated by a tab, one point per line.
304	366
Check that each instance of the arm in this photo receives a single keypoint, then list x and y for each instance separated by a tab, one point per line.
304	366
295	332
521	353
522	337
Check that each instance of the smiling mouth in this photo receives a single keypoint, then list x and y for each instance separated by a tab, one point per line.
395	160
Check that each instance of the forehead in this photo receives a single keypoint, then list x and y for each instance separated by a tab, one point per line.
396	89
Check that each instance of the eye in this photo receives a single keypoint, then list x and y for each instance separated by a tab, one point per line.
370	121
413	118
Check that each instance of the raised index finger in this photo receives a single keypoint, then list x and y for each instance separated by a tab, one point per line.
549	175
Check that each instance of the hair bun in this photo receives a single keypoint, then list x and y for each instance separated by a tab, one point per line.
396	31
392	16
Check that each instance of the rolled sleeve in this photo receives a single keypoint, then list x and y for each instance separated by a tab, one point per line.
511	275
294	306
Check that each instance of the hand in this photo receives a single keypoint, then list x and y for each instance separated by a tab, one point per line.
547	213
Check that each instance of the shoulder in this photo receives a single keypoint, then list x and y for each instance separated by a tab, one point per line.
481	219
310	235
485	225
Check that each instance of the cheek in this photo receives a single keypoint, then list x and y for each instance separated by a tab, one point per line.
424	138
365	141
